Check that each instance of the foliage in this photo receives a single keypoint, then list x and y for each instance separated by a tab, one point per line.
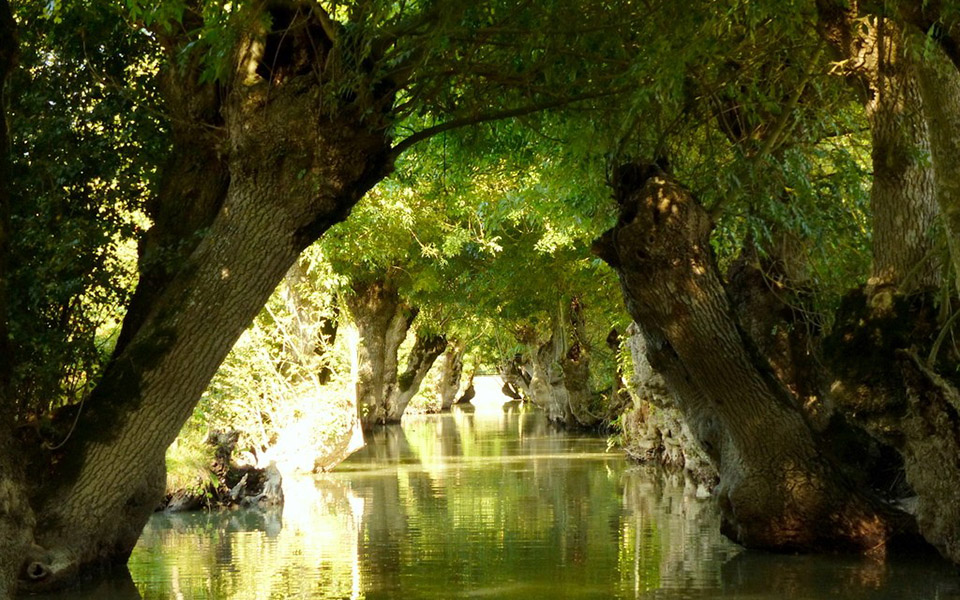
270	387
85	145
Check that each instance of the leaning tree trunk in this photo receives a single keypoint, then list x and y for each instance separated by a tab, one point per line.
451	372
382	320
297	163
426	349
778	488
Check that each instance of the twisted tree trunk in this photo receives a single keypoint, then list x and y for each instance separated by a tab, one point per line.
779	489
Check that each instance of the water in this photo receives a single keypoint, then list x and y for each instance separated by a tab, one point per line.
490	505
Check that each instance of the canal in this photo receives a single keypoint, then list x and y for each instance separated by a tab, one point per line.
490	504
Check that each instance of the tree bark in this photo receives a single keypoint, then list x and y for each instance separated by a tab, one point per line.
877	378
382	320
297	164
575	363
516	378
546	386
779	489
654	430
451	373
556	374
426	349
940	90
903	198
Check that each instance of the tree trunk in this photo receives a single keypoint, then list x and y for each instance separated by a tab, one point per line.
450	374
778	487
426	349
903	198
940	90
469	391
382	320
655	430
547	388
297	164
556	376
576	372
914	109
516	378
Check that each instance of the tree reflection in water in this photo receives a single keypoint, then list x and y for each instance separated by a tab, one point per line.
497	505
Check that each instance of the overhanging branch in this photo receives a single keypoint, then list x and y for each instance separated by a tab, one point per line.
519	111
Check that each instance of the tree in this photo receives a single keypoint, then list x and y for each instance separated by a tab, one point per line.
704	346
282	116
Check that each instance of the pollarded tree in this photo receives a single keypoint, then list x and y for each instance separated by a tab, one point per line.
783	484
282	115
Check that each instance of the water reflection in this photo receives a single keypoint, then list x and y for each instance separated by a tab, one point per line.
492	505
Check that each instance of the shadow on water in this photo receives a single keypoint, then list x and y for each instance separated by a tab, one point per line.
490	505
119	587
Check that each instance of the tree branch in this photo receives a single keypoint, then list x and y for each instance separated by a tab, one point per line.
519	111
326	22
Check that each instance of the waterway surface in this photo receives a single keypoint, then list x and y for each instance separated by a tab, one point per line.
490	505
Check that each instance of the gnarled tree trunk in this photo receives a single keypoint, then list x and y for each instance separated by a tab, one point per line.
547	389
426	349
285	164
575	363
382	320
779	489
654	430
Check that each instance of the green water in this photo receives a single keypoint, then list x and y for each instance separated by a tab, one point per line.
490	505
